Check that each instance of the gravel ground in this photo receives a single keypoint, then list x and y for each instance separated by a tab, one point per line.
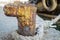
49	34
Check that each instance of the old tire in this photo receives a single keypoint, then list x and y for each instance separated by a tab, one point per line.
53	7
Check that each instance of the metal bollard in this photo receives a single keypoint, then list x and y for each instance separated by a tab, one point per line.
26	15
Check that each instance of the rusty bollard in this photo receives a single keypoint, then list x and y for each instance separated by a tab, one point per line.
26	16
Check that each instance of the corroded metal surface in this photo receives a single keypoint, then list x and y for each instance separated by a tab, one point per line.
26	14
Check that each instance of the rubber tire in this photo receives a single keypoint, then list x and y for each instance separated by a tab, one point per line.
53	7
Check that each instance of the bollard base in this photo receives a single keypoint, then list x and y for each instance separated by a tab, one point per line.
17	36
